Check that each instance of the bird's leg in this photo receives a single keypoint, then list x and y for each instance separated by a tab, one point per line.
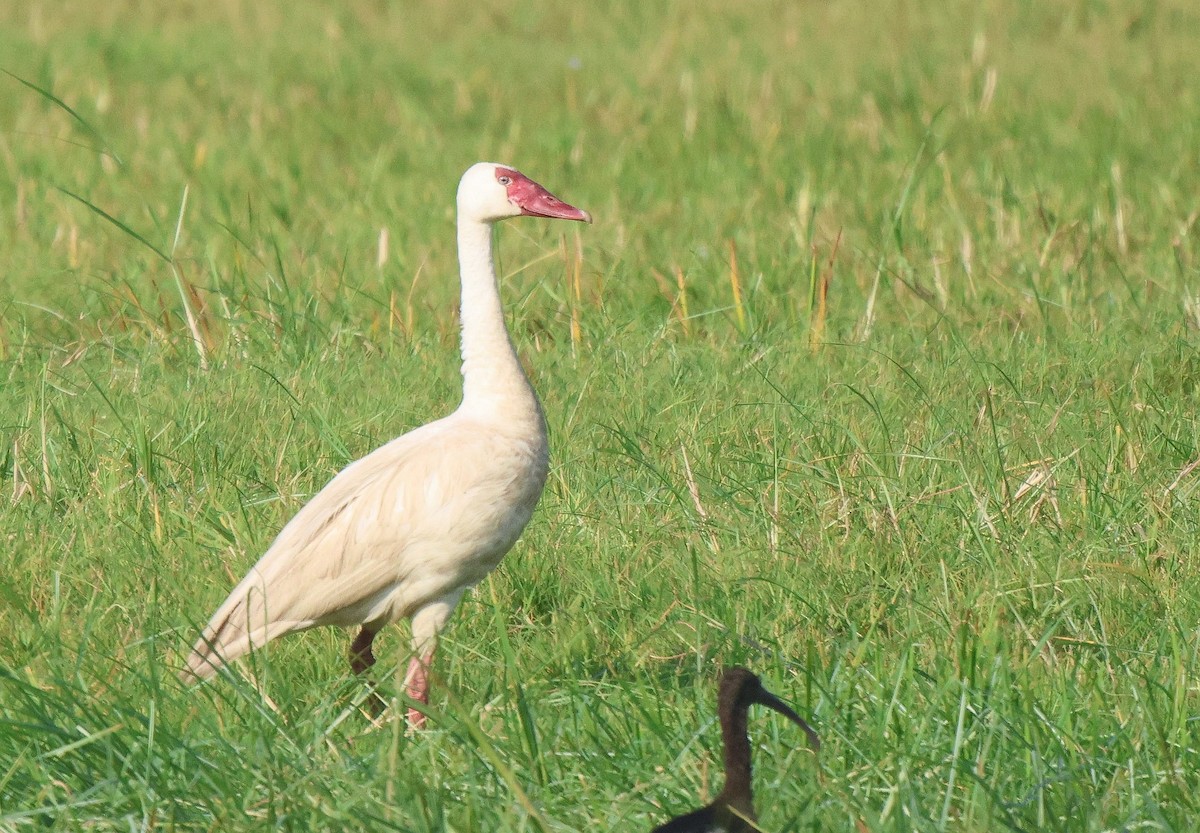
426	625
416	682
361	658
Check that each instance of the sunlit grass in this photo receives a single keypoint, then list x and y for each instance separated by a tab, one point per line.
877	373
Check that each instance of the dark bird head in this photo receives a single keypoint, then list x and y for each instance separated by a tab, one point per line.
740	688
733	809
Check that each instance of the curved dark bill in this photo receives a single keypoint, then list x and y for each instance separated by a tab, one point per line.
766	698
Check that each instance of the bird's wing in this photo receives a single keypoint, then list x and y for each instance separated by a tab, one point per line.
349	542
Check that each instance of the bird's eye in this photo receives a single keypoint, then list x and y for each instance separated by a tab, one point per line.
505	180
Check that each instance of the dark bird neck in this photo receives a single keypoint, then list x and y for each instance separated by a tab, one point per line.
737	792
733	809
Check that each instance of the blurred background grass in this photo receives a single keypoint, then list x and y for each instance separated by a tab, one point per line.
877	373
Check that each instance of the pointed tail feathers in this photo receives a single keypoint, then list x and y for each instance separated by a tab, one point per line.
222	642
241	624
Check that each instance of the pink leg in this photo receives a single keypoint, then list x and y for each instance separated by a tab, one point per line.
417	681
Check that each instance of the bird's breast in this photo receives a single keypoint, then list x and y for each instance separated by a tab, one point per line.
475	510
426	515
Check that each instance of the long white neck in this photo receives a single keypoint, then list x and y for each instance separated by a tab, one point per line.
494	383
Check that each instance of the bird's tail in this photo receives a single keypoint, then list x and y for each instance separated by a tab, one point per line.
221	643
239	625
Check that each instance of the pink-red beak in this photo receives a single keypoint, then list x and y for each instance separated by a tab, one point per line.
536	201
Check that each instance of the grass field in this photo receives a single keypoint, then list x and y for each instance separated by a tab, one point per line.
878	373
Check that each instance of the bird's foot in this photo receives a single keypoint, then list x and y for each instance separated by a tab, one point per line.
417	688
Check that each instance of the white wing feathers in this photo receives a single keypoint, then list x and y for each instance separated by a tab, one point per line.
430	511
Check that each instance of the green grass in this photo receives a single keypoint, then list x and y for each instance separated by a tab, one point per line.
923	457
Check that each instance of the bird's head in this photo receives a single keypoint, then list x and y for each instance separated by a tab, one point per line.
740	687
489	192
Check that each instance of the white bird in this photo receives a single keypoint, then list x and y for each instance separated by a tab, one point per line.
406	530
